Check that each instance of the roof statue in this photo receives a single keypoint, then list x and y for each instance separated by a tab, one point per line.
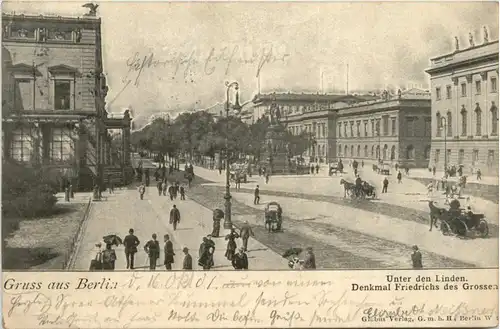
471	39
92	9
457	46
485	33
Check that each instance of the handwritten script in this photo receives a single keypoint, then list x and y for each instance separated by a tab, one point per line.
195	62
225	299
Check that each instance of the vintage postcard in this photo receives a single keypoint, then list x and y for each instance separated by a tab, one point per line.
250	164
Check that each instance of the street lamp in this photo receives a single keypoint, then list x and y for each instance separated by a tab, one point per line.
227	205
444	123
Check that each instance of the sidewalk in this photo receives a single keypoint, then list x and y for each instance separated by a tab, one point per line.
124	210
471	178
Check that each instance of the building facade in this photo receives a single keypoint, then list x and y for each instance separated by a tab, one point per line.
349	129
464	87
54	89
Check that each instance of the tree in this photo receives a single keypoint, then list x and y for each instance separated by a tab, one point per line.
298	144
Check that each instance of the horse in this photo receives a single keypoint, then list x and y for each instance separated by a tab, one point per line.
435	214
348	187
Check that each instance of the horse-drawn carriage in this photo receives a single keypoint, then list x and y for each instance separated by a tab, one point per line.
335	168
273	216
458	221
358	192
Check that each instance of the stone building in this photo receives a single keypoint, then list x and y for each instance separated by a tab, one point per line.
393	129
464	86
53	99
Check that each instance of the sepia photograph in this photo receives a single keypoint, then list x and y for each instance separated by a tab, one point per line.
258	136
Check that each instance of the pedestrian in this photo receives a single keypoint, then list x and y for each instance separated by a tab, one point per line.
175	216
176	189
399	177
231	244
478	174
240	260
430	188
183	193
71	191
312	169
396	166
245	233
310	260
187	263
142	190
164	187
159	186
108	258
206	258
130	242
171	190
256	195
385	184
267	177
416	258
433	170
169	252
362	163
66	194
317	168
220	170
238	182
96	262
152	248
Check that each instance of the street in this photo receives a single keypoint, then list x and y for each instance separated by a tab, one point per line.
344	234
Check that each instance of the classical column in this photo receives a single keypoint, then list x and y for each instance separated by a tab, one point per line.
471	102
485	109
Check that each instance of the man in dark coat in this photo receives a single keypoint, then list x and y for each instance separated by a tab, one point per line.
171	190
245	233
175	216
130	242
416	259
169	252
206	253
183	193
152	248
187	263
385	184
240	260
310	261
256	194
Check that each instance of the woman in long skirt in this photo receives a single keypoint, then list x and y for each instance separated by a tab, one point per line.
231	244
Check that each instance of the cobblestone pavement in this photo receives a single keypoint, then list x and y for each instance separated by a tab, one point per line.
334	247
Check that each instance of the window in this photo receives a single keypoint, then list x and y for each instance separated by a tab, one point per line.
358	151
449	130
464	89
448	92
461	156
494	120
491	159
62	95
366	128
352	150
438	124
410	127
475	156
384	152
373	148
437	155
62	145
345	151
478	87
378	152
494	87
393	127
351	129
427	152
373	128
438	93
448	156
358	128
393	152
478	120
463	114
366	151
427	127
23	94
410	152
377	128
345	129
340	129
386	125
340	150
22	147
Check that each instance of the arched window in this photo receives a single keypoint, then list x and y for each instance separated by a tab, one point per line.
494	119
366	151
352	150
358	153
373	150
340	150
449	130
427	152
478	120
393	152
410	152
345	151
377	153
438	124
384	152
463	113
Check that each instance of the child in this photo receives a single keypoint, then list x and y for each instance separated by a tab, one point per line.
142	190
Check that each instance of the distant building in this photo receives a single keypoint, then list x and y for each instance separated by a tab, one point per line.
53	90
464	86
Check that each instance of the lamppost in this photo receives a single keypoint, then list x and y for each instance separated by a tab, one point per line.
444	123
227	205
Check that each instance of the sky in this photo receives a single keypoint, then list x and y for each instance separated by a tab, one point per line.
168	57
